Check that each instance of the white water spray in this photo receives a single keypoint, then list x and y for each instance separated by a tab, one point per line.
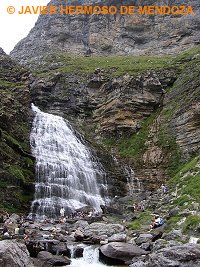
66	173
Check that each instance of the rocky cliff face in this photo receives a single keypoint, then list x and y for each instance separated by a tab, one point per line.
110	34
148	120
16	170
143	110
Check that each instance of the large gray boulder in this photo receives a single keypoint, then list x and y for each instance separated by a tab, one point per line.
187	255
99	229
48	260
143	238
121	251
14	254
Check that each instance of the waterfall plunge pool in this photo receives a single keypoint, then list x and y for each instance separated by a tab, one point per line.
90	258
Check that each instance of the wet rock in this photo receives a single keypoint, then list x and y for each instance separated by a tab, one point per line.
60	249
78	252
14	254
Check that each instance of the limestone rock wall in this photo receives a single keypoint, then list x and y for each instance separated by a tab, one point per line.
110	34
16	169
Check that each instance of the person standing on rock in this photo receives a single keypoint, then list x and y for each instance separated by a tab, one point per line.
62	212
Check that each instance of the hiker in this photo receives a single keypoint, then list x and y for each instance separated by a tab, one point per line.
157	222
164	189
62	212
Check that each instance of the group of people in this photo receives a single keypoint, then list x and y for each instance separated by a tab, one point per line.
76	214
18	231
11	228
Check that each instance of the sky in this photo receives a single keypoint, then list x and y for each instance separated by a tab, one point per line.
14	27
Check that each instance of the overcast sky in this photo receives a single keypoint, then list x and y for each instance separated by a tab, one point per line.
15	27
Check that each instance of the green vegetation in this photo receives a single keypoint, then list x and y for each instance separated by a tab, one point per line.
192	223
170	149
6	84
187	179
16	171
9	208
182	201
114	65
172	222
3	184
133	146
22	174
117	65
144	219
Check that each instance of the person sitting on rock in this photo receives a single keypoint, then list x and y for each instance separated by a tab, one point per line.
22	231
157	222
17	230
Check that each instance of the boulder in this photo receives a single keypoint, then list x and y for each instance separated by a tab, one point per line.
60	249
120	251
100	229
117	238
187	255
81	224
143	238
78	252
49	260
78	235
14	254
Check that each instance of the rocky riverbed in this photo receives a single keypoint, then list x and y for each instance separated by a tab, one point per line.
108	238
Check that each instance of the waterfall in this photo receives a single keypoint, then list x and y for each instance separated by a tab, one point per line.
90	258
66	171
133	183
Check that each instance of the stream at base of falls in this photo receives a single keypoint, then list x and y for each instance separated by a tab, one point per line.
90	258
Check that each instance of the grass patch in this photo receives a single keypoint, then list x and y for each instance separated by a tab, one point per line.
6	84
114	65
143	219
171	150
3	184
133	146
183	201
172	222
118	65
187	179
24	175
9	208
192	223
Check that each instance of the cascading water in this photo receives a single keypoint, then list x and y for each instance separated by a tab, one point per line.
133	182
90	258
66	173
